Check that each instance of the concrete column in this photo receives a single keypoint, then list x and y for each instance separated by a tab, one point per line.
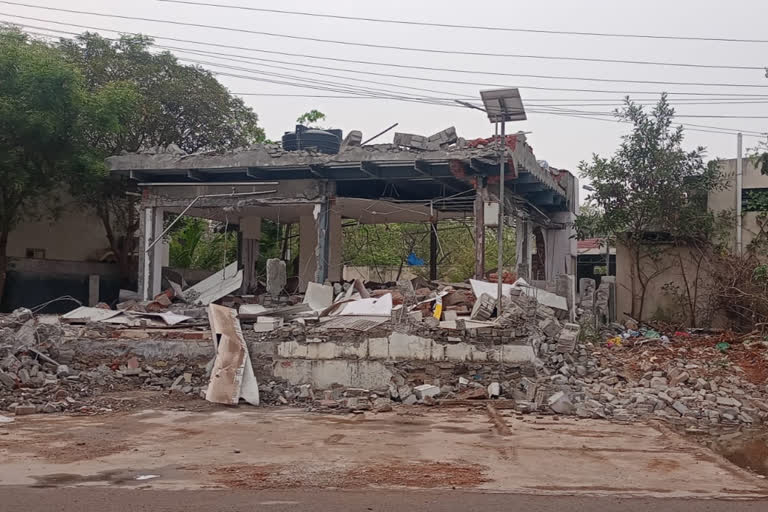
322	249
250	229
433	248
307	246
561	246
523	259
336	247
480	197
151	262
93	289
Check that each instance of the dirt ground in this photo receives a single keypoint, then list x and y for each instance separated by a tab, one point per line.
205	446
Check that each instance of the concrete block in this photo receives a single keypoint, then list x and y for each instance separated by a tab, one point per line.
550	326
410	140
378	348
276	276
450	316
561	403
324	350
426	391
517	353
479	355
680	408
292	350
447	136
494	390
353	350
438	352
458	352
24	410
323	374
405	346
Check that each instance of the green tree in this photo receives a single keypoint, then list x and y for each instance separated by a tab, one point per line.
650	188
181	105
193	243
311	118
389	245
47	118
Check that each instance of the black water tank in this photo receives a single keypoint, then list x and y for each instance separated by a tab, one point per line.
324	141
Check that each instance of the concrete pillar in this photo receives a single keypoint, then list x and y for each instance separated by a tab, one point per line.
561	245
336	247
523	259
151	262
433	248
480	198
93	289
322	249
307	246
250	229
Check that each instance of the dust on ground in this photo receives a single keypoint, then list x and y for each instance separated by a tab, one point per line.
422	475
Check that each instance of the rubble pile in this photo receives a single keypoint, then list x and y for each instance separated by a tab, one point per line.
40	374
692	380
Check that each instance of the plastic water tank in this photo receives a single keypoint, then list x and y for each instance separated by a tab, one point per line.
324	141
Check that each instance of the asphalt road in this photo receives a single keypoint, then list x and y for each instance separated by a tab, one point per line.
139	500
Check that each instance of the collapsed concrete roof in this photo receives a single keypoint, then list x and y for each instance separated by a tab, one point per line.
454	168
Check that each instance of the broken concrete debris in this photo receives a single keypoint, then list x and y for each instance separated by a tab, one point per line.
389	333
276	276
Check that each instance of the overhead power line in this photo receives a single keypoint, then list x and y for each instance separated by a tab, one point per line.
226	56
470	27
375	93
388	47
235	47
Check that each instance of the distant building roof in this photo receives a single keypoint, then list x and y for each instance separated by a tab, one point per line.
593	246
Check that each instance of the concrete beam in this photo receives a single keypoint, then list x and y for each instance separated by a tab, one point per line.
196	174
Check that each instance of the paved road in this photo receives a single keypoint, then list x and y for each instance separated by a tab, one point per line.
141	500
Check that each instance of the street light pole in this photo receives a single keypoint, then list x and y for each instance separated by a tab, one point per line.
502	105
500	235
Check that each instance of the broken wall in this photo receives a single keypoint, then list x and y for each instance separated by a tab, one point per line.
660	301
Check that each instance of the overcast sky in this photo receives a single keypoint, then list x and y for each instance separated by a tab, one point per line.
562	141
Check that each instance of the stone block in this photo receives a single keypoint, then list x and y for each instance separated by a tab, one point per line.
561	403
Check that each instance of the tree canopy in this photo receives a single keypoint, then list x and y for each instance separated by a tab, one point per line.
47	119
177	104
180	104
651	188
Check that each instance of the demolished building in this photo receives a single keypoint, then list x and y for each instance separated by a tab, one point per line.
374	184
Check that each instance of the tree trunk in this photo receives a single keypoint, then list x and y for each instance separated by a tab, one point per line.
643	285
3	262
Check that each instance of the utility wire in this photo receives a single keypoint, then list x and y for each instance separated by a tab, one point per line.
472	27
389	47
376	94
251	70
241	58
603	91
